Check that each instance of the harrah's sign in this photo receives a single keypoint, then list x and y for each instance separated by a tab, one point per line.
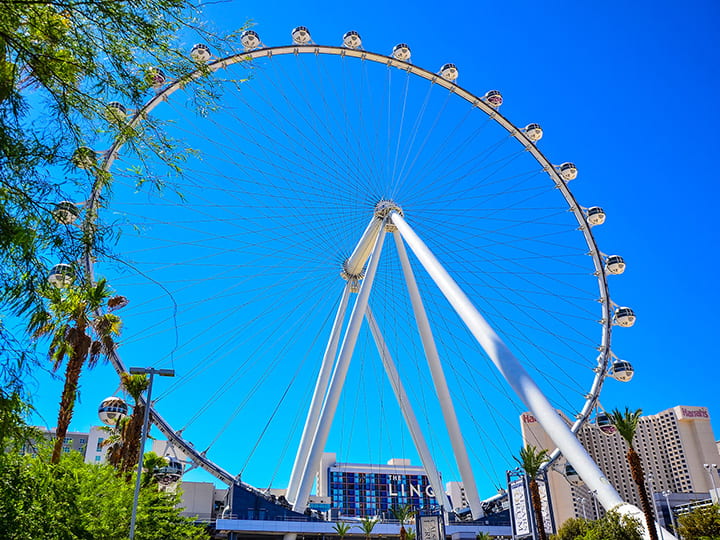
694	412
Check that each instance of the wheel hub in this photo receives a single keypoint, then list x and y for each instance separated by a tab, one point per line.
385	206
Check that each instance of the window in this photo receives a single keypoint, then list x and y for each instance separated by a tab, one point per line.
82	441
99	444
97	458
66	449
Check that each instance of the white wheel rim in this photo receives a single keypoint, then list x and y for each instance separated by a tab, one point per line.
585	407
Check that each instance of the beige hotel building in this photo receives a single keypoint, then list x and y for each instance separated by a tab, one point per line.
673	445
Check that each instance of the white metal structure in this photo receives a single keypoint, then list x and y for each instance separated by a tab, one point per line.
330	165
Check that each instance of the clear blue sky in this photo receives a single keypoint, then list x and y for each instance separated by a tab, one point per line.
628	93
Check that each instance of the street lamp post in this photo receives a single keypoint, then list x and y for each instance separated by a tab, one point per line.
666	494
657	516
151	372
597	511
711	469
581	500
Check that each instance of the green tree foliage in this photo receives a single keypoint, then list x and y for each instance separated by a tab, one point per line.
531	461
74	500
152	463
61	62
341	528
78	335
626	423
572	529
367	525
14	433
403	513
700	524
131	428
612	526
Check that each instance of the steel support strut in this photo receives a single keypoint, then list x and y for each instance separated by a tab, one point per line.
319	393
515	374
440	383
408	413
356	262
338	378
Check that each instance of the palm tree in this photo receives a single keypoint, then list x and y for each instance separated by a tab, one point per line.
403	513
341	528
626	424
113	443
77	334
123	443
531	461
367	525
131	433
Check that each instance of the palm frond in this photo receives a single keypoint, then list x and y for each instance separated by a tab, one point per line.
107	324
40	324
134	385
532	459
626	423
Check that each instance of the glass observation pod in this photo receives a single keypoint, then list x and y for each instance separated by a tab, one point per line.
65	212
604	423
112	410
172	472
622	370
401	51
449	72
200	52
615	264
115	112
352	40
84	158
250	39
568	171
533	132
572	476
595	216
61	275
624	316
494	98
156	77
300	35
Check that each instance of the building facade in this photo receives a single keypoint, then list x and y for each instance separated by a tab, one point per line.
365	490
673	445
456	492
89	444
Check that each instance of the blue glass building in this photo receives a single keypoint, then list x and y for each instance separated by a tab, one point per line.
368	490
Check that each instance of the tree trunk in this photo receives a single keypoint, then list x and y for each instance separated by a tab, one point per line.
639	479
537	509
131	439
69	393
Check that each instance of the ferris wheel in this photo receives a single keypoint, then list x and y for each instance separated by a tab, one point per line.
263	270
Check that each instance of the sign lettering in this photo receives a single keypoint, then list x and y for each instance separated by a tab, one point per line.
699	412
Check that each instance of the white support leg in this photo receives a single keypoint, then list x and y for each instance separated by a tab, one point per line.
321	387
517	377
356	262
338	379
408	414
441	387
